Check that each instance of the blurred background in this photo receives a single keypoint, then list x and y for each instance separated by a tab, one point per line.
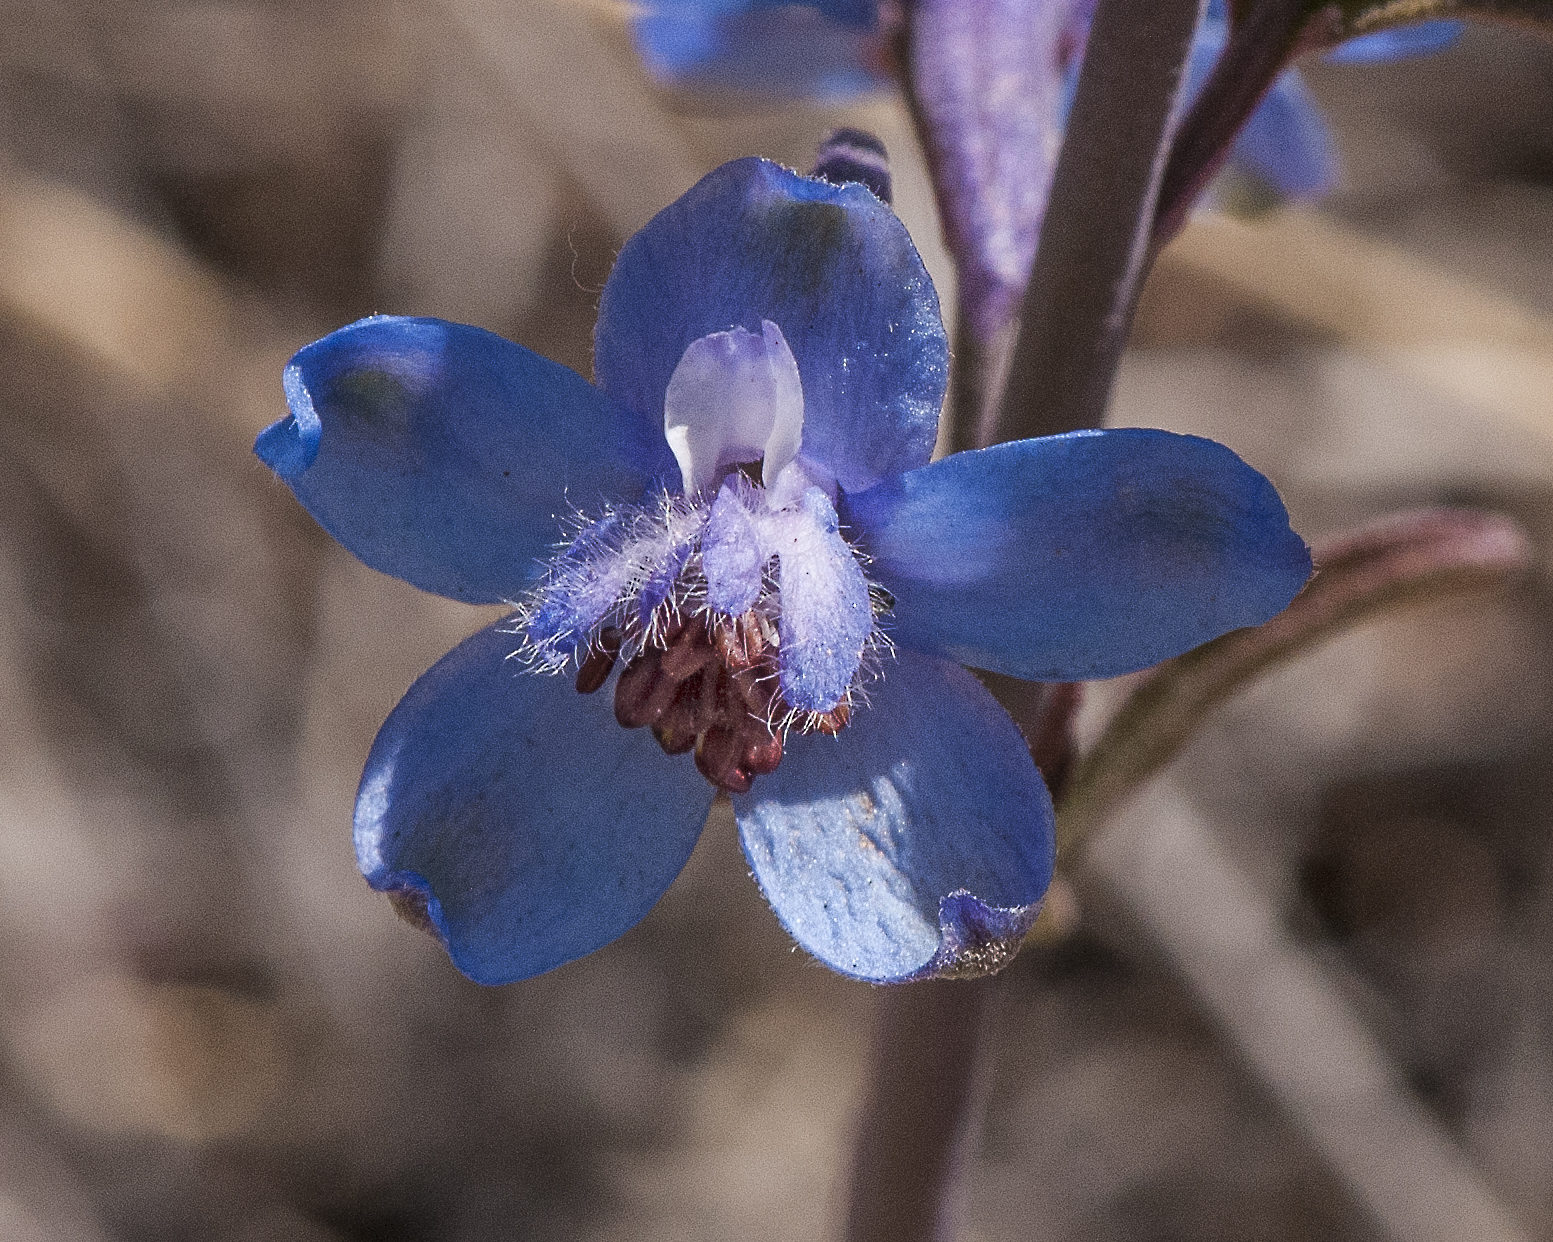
1303	992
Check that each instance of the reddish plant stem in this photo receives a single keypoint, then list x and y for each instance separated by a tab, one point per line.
1095	239
918	1117
923	1100
927	1088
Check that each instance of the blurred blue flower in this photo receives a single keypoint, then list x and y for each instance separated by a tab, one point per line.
753	532
1399	43
832	49
1286	144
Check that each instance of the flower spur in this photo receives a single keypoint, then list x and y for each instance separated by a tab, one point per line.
754	523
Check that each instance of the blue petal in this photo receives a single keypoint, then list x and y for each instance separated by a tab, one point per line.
917	842
1286	143
831	266
992	151
1399	43
444	455
581	585
660	579
534	827
788	51
1079	556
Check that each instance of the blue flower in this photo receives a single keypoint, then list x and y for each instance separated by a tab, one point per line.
993	152
1399	43
740	524
833	49
1286	143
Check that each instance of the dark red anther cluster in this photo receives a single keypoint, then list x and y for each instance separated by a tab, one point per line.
709	686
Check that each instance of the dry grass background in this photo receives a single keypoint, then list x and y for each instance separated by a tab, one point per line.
210	1029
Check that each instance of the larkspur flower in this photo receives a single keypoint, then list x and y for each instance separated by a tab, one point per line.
739	523
1286	144
832	49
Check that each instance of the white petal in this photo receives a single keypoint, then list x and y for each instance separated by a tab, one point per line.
787	424
734	397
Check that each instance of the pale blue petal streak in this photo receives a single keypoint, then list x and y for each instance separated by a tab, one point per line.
1398	43
537	828
445	455
731	555
1079	556
918	841
831	266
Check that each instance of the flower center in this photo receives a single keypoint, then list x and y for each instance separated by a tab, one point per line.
711	688
737	622
739	609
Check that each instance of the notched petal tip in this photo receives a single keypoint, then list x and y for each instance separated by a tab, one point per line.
441	453
355	364
289	445
976	939
412	900
870	846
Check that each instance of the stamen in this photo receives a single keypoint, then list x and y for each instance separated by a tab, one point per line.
833	721
600	660
759	693
711	704
718	753
762	754
705	673
644	691
675	734
689	652
708	684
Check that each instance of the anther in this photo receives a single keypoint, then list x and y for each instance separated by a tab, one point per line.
674	735
689	652
762	751
718	753
643	692
710	705
741	642
833	721
757	690
600	660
